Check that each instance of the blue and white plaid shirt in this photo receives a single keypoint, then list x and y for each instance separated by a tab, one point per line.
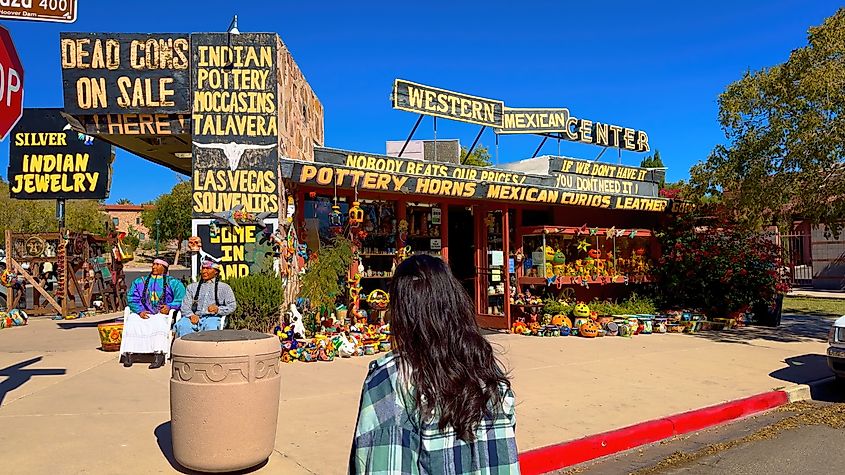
389	439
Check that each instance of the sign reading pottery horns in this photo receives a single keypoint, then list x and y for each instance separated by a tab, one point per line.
428	100
48	161
394	175
235	123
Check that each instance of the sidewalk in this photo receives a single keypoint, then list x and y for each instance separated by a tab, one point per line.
819	293
100	417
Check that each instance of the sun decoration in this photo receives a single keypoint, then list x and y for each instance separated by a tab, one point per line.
583	245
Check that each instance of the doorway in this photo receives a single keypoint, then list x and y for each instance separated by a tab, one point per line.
462	247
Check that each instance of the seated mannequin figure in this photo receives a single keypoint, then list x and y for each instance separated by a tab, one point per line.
146	329
206	302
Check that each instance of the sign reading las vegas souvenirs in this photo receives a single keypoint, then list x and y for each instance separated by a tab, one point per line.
427	100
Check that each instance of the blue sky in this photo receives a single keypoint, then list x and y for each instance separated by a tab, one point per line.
650	66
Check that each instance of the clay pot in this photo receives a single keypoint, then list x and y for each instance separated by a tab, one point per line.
224	399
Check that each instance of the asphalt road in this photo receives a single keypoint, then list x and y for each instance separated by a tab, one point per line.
804	438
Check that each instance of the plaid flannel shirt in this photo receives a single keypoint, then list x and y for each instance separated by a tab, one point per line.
389	439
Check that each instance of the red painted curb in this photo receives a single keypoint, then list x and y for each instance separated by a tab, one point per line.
566	454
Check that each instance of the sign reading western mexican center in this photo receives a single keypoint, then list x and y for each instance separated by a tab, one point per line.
48	161
412	97
427	100
235	123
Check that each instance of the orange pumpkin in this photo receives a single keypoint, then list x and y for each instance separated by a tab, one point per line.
594	253
589	329
640	251
562	321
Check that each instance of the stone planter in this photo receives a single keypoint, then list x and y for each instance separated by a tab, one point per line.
224	399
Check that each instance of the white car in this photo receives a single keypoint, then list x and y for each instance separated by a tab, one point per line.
836	350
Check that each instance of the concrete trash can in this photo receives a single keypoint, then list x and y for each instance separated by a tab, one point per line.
224	399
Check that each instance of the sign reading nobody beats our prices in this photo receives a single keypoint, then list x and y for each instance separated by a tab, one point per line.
46	161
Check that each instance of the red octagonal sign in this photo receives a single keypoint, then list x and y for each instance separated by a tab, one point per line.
11	84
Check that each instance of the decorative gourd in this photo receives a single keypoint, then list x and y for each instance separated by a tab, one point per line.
581	310
562	321
590	329
594	253
559	258
356	214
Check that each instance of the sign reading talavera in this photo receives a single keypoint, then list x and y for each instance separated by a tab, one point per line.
49	161
428	100
234	123
125	73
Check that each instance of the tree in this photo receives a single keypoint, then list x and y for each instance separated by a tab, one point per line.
173	211
785	131
39	216
124	201
480	157
653	161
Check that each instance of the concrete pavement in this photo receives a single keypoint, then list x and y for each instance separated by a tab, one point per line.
100	417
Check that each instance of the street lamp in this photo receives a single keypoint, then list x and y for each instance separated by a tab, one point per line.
158	222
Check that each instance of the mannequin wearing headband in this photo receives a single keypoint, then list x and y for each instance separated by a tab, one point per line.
151	298
205	302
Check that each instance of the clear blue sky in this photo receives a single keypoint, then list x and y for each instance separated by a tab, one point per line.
644	65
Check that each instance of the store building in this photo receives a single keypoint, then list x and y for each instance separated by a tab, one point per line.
235	113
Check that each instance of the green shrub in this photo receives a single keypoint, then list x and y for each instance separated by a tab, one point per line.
259	299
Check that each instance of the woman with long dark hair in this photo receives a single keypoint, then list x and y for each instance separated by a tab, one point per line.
439	403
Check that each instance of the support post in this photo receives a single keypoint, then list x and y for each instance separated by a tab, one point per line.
411	135
474	142
540	146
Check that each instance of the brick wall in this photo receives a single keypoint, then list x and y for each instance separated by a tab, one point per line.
127	215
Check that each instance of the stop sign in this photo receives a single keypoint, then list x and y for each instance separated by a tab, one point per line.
11	84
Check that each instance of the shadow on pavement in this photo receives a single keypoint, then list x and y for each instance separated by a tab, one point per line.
793	328
17	376
164	438
803	369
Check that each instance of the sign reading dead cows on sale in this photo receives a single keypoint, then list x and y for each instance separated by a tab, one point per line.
47	160
235	123
126	73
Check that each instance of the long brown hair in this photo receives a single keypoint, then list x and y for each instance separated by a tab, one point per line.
451	366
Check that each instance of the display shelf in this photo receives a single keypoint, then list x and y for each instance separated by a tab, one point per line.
376	277
583	231
369	254
575	281
539	305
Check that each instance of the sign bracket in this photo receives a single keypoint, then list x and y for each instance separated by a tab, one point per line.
411	135
474	142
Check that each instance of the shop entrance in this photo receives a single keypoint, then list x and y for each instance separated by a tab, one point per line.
462	247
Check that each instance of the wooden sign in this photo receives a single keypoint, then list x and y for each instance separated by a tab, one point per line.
136	124
126	73
567	173
427	100
49	161
534	121
325	175
240	250
59	11
234	123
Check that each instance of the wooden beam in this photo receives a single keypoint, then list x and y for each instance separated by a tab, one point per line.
35	285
